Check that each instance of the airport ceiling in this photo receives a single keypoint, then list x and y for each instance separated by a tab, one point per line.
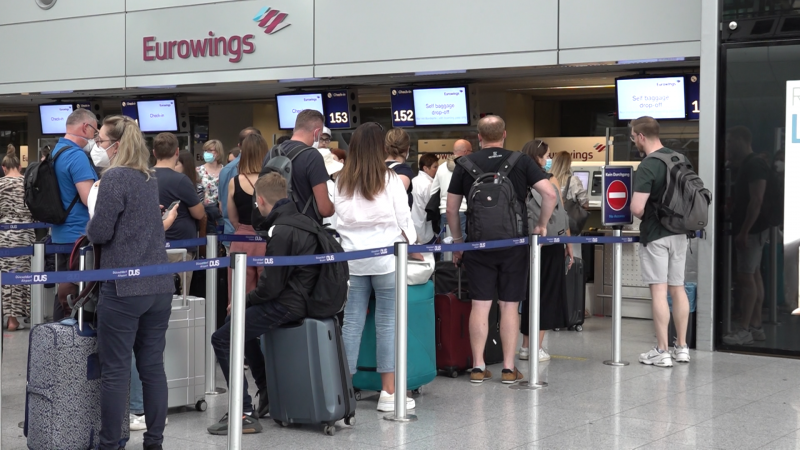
554	82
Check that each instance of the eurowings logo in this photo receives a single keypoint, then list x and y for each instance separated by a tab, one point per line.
271	20
599	147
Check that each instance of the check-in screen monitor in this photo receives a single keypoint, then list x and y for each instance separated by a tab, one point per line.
441	106
584	177
54	118
290	105
597	183
657	97
157	116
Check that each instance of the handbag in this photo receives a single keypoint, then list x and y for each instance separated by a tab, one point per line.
419	272
577	215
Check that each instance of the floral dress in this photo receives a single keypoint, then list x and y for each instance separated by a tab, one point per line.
16	299
209	184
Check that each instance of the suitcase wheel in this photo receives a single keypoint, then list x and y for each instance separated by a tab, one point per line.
357	395
579	328
556	329
201	405
329	430
283	424
415	391
350	421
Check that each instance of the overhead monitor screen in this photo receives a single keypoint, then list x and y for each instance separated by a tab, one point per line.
584	177
156	116
290	105
659	98
441	106
54	118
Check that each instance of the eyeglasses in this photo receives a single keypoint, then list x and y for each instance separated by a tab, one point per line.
634	136
325	139
100	141
96	131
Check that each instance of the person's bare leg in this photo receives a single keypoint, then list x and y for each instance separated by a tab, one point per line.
387	380
747	298
509	332
680	313
479	329
758	307
660	313
526	341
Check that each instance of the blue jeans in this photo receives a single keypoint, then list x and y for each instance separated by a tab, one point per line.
137	394
355	314
463	218
139	324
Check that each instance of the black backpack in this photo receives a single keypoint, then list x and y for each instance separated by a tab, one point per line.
493	210
281	161
684	207
330	293
42	194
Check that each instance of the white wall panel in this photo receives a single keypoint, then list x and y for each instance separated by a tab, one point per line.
140	5
69	49
17	11
350	31
630	53
606	23
291	46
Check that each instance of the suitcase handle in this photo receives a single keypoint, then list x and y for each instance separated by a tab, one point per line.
184	288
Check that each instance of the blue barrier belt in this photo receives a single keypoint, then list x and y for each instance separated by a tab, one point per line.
319	259
240	238
186	243
467	246
21	251
588	240
50	249
112	274
23	226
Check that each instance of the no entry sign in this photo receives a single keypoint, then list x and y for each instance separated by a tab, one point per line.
617	184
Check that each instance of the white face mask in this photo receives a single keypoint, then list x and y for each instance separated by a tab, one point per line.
316	141
100	155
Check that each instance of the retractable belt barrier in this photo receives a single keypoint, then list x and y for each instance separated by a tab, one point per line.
23	226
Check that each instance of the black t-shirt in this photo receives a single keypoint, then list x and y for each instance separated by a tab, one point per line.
403	169
308	170
753	168
524	175
177	186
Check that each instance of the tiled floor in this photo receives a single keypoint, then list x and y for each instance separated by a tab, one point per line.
720	400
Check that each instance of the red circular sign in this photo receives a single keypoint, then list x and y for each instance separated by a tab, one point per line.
617	195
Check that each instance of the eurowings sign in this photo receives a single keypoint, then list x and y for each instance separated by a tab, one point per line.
232	47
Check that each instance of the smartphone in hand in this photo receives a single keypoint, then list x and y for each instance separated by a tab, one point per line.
169	208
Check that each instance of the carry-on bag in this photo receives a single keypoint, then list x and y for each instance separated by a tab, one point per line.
421	368
452	308
575	296
307	375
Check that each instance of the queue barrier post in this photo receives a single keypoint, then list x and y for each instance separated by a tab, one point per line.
401	335
616	308
211	319
37	290
534	294
235	402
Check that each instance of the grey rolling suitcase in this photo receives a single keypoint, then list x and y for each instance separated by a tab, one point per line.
307	375
184	354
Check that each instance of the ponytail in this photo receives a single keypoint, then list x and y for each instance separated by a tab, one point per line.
10	161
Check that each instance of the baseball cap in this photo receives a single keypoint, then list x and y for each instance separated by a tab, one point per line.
326	130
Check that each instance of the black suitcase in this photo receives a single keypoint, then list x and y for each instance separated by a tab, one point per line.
575	296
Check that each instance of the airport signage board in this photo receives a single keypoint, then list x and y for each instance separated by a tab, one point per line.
337	110
617	193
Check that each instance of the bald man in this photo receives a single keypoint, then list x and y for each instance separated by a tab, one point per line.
441	182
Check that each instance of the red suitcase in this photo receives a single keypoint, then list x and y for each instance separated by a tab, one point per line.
453	350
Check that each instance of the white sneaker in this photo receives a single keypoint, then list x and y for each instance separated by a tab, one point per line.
386	402
138	423
742	337
543	355
680	354
656	358
524	353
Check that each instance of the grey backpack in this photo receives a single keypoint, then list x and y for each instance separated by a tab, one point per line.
684	207
280	160
493	210
559	220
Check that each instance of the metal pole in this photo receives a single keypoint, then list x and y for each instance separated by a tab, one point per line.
235	402
772	294
400	335
616	313
37	290
211	318
534	294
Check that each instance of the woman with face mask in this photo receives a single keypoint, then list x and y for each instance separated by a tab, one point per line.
208	179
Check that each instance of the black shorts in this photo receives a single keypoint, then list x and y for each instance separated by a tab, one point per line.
499	274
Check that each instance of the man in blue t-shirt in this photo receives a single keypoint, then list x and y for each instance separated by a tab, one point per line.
75	175
226	175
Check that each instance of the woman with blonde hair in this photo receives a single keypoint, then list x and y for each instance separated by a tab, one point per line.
398	145
16	299
371	204
132	314
571	186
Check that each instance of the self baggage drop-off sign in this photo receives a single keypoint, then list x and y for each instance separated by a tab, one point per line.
617	193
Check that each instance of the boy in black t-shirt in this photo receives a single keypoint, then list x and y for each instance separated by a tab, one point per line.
497	271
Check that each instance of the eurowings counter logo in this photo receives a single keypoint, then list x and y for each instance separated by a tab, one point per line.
271	20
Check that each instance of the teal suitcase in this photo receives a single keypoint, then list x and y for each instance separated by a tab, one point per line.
421	343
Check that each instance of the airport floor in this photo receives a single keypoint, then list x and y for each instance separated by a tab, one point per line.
719	400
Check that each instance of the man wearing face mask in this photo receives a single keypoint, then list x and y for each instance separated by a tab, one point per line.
75	176
309	189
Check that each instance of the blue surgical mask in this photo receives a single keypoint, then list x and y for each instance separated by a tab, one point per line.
548	165
208	157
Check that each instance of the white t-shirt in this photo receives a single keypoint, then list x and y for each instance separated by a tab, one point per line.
366	224
92	200
422	195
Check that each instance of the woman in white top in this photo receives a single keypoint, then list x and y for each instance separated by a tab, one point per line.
372	209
